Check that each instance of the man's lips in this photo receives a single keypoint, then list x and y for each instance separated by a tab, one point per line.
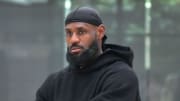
75	50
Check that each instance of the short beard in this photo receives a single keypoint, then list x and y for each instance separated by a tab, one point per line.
84	58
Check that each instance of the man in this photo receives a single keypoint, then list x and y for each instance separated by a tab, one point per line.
96	71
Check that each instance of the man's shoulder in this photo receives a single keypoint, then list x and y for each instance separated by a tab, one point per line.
120	73
121	70
119	66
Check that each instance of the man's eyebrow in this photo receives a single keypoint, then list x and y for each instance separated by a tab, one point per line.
80	28
67	29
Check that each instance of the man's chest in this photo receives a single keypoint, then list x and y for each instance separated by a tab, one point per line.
78	88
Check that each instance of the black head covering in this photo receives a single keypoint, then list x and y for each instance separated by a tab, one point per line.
87	15
84	14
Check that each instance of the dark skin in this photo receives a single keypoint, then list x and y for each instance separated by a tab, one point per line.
83	34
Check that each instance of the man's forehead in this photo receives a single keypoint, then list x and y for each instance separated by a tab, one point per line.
78	25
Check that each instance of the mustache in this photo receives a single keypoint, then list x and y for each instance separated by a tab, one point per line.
75	46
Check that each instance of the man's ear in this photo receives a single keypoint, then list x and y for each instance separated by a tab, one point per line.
101	31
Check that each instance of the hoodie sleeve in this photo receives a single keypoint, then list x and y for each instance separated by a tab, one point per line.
119	86
44	93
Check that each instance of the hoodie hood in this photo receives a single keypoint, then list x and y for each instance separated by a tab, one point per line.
122	53
111	54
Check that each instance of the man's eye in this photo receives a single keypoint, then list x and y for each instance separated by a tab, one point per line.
81	32
68	33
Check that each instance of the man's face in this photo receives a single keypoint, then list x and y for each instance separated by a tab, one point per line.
82	42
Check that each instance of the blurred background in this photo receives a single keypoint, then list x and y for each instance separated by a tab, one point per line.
32	43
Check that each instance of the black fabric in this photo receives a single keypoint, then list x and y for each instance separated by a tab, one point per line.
84	14
109	78
120	52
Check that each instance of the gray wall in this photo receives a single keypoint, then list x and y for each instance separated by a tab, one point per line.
31	47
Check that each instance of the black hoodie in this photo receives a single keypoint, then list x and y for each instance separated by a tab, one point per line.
109	78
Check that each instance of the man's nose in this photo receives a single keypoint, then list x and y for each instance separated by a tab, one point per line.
75	38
